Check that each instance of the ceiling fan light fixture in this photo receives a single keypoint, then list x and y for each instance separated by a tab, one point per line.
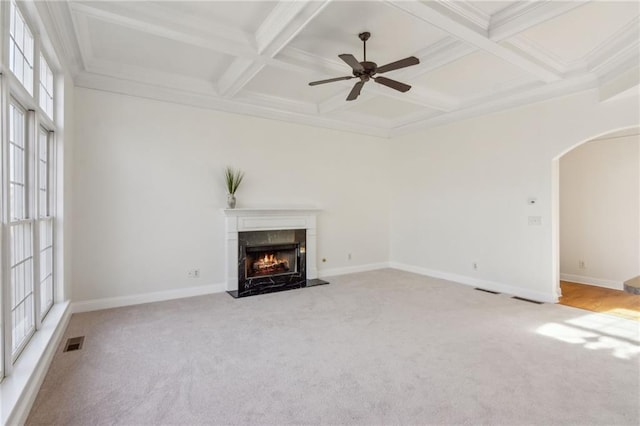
366	70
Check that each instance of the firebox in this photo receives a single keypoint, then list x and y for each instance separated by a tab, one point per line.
268	260
271	261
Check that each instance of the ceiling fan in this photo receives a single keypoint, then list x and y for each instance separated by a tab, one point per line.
365	71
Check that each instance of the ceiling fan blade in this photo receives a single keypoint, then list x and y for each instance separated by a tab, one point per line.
351	61
315	83
355	92
392	83
406	62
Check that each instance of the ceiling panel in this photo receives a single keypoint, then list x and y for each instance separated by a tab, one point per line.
293	85
383	107
244	15
119	44
394	34
473	74
573	35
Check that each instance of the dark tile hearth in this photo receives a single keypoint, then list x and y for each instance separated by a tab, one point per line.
309	283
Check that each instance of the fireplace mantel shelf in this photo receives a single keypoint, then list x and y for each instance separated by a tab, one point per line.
269	211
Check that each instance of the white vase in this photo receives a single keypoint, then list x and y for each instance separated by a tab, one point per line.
231	201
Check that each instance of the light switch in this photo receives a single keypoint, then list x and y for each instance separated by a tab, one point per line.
535	220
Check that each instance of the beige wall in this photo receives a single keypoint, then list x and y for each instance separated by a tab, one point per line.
148	191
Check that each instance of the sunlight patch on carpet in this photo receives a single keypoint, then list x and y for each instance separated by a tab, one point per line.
598	332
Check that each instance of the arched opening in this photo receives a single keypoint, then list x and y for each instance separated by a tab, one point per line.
596	222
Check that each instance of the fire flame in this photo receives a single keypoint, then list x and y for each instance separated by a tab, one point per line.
270	261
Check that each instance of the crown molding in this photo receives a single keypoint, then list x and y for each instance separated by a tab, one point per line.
533	93
616	50
250	107
64	33
155	78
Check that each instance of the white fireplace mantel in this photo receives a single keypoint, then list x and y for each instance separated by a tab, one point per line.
268	219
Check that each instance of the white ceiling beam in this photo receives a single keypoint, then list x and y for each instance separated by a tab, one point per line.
527	47
520	16
285	22
478	38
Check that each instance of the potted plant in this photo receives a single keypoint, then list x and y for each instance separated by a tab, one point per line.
233	179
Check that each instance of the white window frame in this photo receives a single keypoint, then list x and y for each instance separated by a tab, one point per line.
27	219
44	89
37	117
14	13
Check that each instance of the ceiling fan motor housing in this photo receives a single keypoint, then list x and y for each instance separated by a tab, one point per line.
369	69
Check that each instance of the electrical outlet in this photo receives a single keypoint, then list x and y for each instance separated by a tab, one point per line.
348	256
581	264
193	273
474	265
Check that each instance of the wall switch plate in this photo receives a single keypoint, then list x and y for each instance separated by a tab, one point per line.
535	220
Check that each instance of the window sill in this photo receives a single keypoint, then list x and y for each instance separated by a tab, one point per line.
19	390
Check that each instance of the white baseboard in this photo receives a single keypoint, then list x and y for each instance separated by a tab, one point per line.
580	279
475	282
352	269
137	299
19	390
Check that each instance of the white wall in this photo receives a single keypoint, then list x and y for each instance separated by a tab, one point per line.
600	212
460	192
148	189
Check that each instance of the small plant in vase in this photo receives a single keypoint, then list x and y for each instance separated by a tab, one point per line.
233	180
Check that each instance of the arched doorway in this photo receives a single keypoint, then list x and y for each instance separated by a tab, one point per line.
596	227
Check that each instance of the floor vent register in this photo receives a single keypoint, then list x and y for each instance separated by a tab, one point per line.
74	344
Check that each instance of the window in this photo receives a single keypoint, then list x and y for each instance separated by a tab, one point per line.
45	219
46	87
20	48
28	184
21	260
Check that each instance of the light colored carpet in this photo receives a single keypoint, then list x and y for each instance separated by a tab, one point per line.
382	347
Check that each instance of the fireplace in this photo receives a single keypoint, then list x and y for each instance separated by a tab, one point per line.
270	249
271	261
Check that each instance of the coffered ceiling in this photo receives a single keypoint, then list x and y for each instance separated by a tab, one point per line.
256	57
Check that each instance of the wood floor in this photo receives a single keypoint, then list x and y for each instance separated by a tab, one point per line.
599	299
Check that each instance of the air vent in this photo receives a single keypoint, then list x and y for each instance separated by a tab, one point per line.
74	344
527	300
487	291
